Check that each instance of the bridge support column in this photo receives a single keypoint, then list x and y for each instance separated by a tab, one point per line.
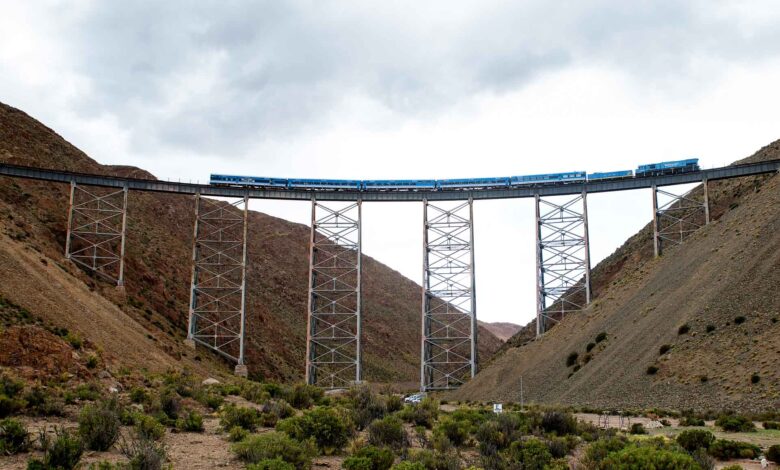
562	259
97	227
675	217
217	313
333	339
449	309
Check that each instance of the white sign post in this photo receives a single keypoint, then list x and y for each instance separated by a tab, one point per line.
498	408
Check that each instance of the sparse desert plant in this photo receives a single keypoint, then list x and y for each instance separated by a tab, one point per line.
710	328
388	431
705	461
693	439
664	349
394	403
148	427
143	453
99	425
601	337
755	378
683	329
589	347
271	445
192	421
366	405
139	395
321	424
424	413
92	361
274	410
571	359
652	370
14	437
237	433
63	451
739	320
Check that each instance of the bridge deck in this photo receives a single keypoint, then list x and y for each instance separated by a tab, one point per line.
502	193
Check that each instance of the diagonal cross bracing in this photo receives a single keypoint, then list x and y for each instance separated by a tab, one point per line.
562	259
217	314
333	346
449	329
678	216
97	222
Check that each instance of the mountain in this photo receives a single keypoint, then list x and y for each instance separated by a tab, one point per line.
698	327
143	324
501	330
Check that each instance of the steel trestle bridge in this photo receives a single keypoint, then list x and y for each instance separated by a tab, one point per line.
97	221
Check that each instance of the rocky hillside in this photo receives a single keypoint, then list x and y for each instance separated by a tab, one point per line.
697	328
502	330
148	317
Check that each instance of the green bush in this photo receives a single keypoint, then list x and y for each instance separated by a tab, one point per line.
62	452
143	453
596	452
387	431
457	431
274	410
436	460
773	453
531	454
9	406
771	425
88	392
271	445
691	421
148	427
693	439
407	465
366	405
724	449
240	416
637	428
732	467
305	396
735	423
138	395
43	402
14	437
92	361
192	421
633	457
169	404
10	387
394	403
99	425
571	359
560	423
212	400
323	425
271	464
237	433
424	413
370	458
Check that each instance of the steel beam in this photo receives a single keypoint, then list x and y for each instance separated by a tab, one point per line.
677	216
562	259
333	345
217	313
97	227
449	314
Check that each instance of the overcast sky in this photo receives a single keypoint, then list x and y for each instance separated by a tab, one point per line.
400	89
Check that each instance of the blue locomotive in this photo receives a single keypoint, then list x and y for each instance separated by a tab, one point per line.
653	169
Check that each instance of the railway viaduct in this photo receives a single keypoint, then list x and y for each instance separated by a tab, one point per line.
97	220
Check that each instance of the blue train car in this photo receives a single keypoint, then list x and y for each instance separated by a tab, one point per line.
255	181
472	183
317	184
569	177
411	185
610	175
668	168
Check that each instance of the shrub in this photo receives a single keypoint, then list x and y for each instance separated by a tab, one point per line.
735	423
701	457
271	464
571	359
732	467
691	421
92	361
683	329
436	460
637	428
88	392
724	449
407	465
99	425
212	400
454	430
739	320
710	328
596	452
170	404
771	425
10	387
589	347
421	414
62	452
148	427
366	405
633	457
601	337
532	454
271	445
9	406
240	416
323	425
370	458
755	378
237	433
191	422
138	395
143	453
274	410
14	437
559	422
394	403
652	370
693	439
558	446
305	396
40	402
387	431
664	349
773	453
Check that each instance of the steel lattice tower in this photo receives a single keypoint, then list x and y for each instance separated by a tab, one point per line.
333	345
562	259
217	313
678	217
449	309
97	223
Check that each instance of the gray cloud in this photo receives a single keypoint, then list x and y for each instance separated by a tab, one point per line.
273	69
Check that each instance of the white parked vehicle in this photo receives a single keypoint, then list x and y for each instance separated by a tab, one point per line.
415	398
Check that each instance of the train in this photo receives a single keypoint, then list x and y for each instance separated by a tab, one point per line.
646	170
